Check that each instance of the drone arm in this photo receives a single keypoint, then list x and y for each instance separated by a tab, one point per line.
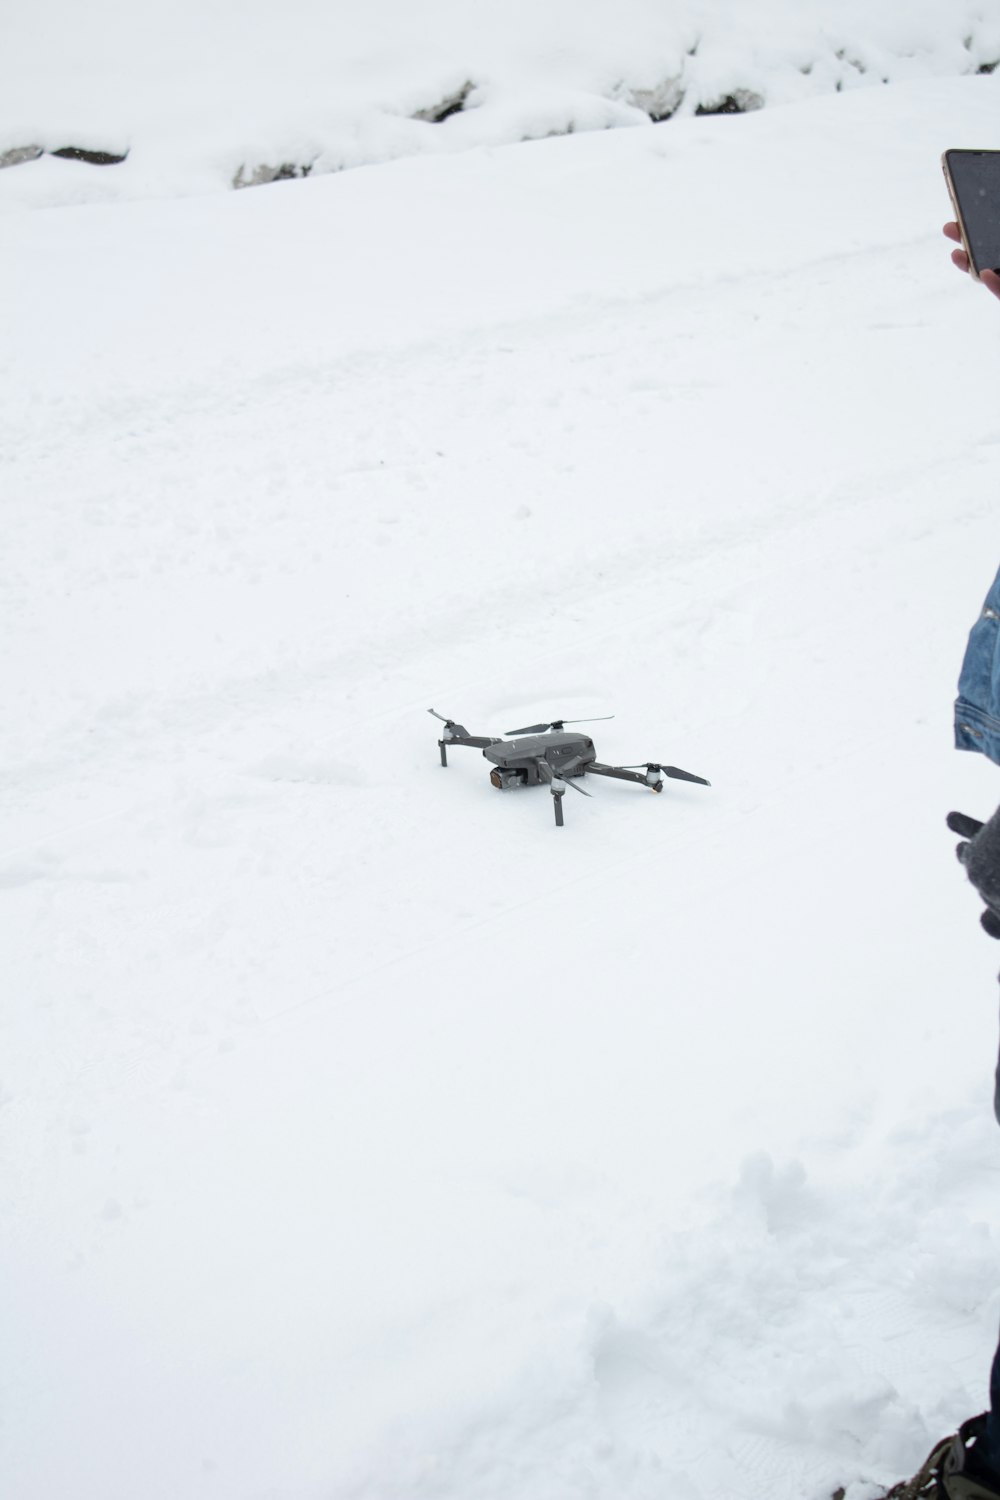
651	778
595	768
477	741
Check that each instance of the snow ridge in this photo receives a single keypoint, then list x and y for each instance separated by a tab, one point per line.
180	102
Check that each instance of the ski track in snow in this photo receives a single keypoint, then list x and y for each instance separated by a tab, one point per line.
363	1135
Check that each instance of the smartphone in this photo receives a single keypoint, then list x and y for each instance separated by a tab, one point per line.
973	179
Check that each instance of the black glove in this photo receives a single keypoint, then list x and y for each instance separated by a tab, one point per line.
980	854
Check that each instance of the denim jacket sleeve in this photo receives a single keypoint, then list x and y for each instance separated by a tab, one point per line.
977	709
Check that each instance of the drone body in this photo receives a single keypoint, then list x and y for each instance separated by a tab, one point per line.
517	761
549	754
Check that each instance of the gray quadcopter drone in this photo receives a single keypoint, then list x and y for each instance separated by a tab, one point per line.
551	754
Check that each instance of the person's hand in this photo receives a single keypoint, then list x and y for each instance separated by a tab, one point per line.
990	279
980	854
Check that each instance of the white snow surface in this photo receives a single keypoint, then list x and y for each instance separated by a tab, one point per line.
202	94
364	1136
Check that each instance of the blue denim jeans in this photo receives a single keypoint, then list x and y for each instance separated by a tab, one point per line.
977	710
988	1446
977	727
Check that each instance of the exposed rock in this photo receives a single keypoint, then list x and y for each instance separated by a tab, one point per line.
451	104
17	154
658	103
262	174
95	158
843	56
739	102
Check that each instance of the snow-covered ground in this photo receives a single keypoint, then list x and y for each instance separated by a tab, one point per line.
364	1136
200	95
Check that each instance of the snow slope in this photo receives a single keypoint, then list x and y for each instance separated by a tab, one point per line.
365	1135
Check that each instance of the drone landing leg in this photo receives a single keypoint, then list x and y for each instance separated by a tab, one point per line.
557	805
444	753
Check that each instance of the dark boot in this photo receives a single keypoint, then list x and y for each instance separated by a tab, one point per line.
952	1470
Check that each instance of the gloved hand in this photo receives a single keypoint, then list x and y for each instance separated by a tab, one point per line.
980	854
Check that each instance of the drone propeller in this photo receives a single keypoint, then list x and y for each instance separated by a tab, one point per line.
673	771
440	716
548	774
556	724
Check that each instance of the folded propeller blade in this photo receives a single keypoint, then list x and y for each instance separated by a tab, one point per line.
556	724
673	771
548	774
